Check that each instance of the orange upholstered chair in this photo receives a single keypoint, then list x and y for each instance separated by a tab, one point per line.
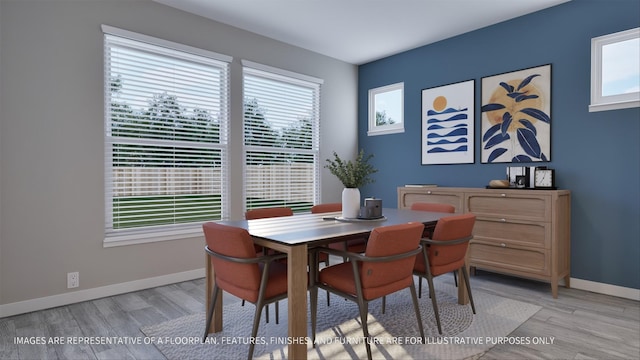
433	207
324	257
446	252
327	207
353	245
238	271
428	231
386	267
264	213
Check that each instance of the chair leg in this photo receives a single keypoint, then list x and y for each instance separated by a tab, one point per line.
277	312
384	303
364	311
259	305
420	287
416	307
455	278
363	306
465	274
434	303
326	263
346	248
266	311
313	299
254	329
212	306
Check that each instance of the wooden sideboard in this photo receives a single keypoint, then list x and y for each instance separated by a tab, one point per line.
521	232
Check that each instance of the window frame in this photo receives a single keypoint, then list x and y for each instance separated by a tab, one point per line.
375	129
177	230
611	102
295	79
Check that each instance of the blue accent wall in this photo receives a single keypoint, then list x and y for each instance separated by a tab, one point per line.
596	155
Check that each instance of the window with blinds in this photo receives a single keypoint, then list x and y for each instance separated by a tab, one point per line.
166	146
281	138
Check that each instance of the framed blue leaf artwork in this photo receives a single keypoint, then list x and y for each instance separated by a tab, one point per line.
448	124
516	116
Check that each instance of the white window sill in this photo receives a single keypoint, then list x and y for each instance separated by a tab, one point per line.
385	131
112	240
614	105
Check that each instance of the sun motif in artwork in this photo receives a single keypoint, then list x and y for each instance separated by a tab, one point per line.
500	96
439	103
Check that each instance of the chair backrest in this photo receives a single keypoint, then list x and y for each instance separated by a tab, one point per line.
328	207
387	241
443	258
263	213
236	242
434	207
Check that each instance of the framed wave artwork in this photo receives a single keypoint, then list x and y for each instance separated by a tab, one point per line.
448	124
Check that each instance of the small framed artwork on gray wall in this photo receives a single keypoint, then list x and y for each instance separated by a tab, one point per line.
516	116
448	124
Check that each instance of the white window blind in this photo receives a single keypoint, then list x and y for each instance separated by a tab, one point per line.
166	146
281	138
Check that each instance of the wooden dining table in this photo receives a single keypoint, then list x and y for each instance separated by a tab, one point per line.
295	235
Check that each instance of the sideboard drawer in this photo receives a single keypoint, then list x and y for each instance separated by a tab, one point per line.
408	196
520	233
510	205
520	259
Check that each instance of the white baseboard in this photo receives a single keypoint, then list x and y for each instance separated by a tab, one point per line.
48	302
607	289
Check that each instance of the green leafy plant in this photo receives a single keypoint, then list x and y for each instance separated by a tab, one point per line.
352	174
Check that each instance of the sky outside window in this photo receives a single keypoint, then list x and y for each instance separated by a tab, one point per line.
390	102
621	67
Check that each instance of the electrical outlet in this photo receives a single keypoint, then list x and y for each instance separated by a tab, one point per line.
73	280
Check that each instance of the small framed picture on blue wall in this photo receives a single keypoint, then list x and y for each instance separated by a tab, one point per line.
516	116
448	124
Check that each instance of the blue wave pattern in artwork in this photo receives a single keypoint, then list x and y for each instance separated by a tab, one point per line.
445	142
441	150
452	118
456	132
438	127
443	135
431	112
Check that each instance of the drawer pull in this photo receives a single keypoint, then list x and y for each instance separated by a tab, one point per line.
503	220
503	195
429	192
503	245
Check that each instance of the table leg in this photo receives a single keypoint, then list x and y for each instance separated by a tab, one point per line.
297	297
216	321
463	297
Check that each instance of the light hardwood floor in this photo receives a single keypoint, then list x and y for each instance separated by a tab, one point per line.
584	325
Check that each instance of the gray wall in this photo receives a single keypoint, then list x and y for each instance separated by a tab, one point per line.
51	137
1	82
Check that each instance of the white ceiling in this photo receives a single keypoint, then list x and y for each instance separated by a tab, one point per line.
360	31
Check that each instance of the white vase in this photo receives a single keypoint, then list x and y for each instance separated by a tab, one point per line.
350	203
